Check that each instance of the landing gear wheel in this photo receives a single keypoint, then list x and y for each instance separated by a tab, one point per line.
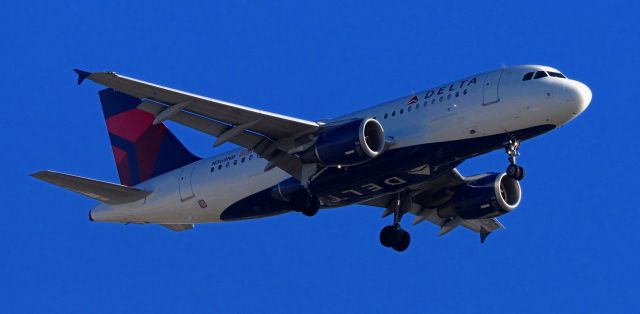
313	207
390	235
311	210
520	173
305	203
516	172
393	235
404	242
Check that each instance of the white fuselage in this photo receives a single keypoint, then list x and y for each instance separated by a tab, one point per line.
485	104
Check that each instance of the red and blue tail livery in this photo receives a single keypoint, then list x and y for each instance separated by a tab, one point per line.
141	149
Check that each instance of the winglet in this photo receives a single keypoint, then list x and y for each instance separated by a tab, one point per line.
82	75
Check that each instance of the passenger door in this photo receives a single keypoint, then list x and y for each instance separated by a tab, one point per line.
186	188
490	88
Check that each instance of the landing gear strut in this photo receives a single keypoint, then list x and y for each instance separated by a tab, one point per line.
514	171
394	236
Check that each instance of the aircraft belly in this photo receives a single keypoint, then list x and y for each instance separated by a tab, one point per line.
393	171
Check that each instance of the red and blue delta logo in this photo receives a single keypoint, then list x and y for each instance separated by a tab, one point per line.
412	101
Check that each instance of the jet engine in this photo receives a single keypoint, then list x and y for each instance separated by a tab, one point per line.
347	144
483	196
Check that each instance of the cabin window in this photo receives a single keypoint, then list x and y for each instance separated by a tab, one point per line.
219	166
464	92
213	168
457	94
449	96
540	74
393	113
402	111
235	162
409	109
527	76
433	101
441	98
242	160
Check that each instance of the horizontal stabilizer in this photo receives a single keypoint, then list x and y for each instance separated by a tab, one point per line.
178	227
110	193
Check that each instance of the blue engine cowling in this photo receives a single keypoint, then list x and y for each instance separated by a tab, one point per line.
347	144
484	196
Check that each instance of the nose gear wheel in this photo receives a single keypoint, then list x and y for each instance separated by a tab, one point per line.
513	170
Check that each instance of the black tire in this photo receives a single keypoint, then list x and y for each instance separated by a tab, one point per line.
312	208
404	242
513	171
302	201
520	173
390	235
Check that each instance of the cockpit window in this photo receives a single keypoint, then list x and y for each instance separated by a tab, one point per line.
540	74
527	76
557	74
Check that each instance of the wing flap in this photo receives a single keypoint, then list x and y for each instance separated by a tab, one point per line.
262	145
203	124
482	225
110	193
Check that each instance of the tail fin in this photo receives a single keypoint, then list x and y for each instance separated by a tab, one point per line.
141	149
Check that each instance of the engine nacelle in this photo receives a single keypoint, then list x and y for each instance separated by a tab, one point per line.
347	144
485	196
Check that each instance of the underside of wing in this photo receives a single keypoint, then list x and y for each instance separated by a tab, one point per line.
417	201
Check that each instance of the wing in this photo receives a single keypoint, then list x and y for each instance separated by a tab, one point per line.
270	135
110	193
424	191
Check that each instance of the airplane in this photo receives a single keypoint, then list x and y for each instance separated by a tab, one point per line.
400	156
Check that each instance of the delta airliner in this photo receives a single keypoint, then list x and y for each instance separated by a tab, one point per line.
400	156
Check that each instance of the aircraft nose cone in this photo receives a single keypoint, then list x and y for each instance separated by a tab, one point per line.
578	97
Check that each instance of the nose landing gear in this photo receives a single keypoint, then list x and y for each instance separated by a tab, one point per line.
514	171
393	235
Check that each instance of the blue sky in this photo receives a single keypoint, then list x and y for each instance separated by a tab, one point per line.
572	246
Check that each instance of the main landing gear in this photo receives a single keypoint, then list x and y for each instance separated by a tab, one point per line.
394	236
514	171
305	202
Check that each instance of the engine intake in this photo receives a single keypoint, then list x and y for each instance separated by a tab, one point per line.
347	144
485	196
